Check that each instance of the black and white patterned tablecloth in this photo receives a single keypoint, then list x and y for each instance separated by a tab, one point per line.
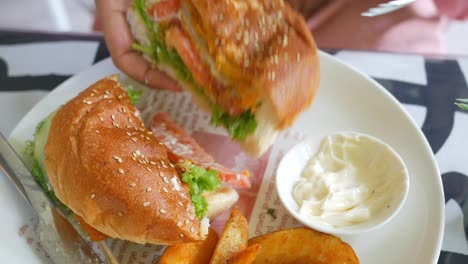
427	88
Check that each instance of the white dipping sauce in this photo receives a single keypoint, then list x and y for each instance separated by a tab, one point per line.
350	179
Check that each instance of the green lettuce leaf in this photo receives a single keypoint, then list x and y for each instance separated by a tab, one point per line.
134	95
200	180
239	127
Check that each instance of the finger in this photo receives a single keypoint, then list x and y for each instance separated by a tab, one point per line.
158	79
119	39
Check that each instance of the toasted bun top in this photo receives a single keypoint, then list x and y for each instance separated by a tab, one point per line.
264	49
107	168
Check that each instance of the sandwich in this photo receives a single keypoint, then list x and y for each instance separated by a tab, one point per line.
252	64
96	160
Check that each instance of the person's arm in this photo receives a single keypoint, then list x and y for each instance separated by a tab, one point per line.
112	18
455	9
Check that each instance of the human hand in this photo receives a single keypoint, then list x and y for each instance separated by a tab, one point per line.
111	14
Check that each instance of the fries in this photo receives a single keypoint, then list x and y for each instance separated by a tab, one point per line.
302	245
191	253
247	256
295	245
233	239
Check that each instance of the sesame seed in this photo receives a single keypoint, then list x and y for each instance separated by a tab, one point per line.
149	132
133	158
130	120
165	189
137	152
172	165
162	211
121	171
165	180
128	133
180	204
120	213
161	174
148	168
113	117
152	162
132	184
148	189
179	224
192	229
146	204
117	158
160	143
100	118
93	195
187	221
108	92
97	131
115	124
106	96
298	57
285	40
275	58
273	75
164	166
134	139
147	138
120	96
94	90
181	235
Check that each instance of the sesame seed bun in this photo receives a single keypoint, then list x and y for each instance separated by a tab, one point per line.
260	51
108	169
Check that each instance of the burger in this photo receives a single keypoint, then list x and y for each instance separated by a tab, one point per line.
252	63
96	160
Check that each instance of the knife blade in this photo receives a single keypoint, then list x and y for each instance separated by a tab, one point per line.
60	238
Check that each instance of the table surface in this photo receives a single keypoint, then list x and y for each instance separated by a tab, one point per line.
426	87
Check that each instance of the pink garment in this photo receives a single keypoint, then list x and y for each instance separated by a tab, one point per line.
416	28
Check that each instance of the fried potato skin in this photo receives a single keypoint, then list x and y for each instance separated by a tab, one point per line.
191	253
247	256
302	245
233	239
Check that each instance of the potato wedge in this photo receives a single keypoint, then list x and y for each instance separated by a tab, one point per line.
302	245
247	256
191	253
233	239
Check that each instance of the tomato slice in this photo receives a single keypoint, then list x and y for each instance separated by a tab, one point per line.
181	146
178	38
164	9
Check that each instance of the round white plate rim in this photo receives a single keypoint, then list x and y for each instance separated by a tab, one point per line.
106	66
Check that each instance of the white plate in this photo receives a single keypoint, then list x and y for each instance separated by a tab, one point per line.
347	100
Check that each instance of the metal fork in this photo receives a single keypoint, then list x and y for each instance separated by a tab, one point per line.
387	7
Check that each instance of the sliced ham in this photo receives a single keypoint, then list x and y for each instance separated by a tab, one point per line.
181	146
